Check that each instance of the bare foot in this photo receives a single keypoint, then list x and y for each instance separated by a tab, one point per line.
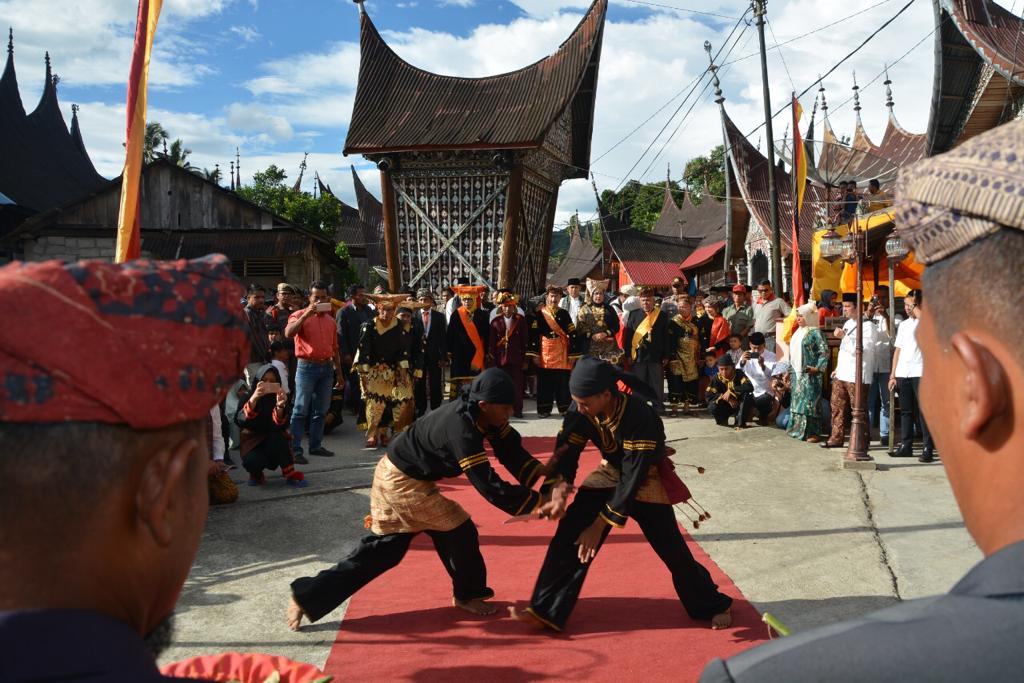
721	621
477	606
295	615
527	618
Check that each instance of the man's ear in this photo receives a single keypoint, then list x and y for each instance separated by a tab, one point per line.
161	487
984	392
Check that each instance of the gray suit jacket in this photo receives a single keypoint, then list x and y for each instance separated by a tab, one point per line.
973	633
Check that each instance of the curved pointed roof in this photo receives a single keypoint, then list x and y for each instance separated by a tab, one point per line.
371	215
580	260
44	164
399	107
689	221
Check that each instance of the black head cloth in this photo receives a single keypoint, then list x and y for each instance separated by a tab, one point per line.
591	376
493	385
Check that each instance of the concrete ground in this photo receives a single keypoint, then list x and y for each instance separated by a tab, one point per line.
802	539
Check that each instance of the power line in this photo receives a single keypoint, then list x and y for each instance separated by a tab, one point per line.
680	9
779	49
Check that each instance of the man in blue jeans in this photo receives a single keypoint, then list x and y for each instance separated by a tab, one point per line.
319	368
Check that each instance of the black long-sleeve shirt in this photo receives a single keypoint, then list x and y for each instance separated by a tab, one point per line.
447	442
631	439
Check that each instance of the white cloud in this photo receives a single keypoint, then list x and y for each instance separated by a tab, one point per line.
457	3
251	118
248	34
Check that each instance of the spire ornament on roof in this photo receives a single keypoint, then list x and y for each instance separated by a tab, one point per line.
10	40
821	92
888	90
719	98
856	96
362	9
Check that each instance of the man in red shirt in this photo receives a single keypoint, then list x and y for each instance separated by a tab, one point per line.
319	368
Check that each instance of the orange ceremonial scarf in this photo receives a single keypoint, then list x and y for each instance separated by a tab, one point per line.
474	336
642	330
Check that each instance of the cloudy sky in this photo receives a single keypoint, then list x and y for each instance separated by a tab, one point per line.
277	78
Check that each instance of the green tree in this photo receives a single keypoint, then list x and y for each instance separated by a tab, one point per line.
706	174
321	213
179	154
155	137
214	176
638	204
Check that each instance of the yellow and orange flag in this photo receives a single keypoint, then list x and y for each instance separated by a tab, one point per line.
800	184
128	239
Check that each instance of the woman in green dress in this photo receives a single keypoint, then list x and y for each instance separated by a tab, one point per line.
808	363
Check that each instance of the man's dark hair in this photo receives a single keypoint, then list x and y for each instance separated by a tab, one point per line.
318	284
277	346
53	476
990	265
766	283
257	288
353	290
874	183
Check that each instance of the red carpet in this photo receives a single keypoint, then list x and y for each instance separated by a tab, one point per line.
627	626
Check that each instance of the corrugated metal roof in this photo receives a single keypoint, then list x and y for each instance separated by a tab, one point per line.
702	255
399	107
652	273
42	165
241	244
993	32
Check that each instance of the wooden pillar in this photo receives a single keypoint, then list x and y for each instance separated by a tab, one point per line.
549	221
512	234
391	250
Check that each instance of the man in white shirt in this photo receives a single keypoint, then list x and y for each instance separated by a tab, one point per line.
845	376
878	399
907	368
757	364
573	298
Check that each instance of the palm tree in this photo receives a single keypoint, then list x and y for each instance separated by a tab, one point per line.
179	154
156	136
213	176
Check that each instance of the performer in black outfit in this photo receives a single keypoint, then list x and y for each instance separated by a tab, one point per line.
404	500
432	328
629	483
350	324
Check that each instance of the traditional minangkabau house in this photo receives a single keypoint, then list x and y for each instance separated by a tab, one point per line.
582	259
700	230
42	163
979	81
360	229
471	167
59	207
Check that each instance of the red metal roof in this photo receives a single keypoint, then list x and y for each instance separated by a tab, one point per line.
702	255
994	33
399	107
653	273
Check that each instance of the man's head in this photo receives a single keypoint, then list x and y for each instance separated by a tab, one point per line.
739	295
470	296
709	360
726	368
405	315
965	226
765	290
278	351
357	294
683	304
492	396
572	287
426	297
385	311
756	341
104	463
553	296
256	297
319	293
678	285
874	186
647	299
447	294
285	296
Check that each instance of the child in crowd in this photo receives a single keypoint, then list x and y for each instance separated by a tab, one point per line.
735	348
707	373
279	359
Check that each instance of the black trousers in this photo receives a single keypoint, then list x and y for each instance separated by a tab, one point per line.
273	452
562	575
459	550
552	388
910	412
722	411
354	395
428	387
764	404
679	390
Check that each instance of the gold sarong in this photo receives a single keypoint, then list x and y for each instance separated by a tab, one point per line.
400	504
605	476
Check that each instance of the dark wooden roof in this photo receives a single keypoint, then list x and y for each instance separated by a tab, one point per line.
399	107
236	245
973	35
43	163
751	170
371	216
580	260
648	259
689	221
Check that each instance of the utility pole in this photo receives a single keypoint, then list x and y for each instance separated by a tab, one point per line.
773	197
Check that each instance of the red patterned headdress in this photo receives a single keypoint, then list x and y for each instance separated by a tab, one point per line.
146	343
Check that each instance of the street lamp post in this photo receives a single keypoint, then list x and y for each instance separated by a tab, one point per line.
895	250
